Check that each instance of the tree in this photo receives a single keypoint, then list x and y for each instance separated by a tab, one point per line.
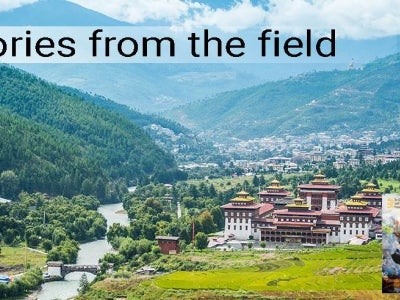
193	192
212	192
256	181
201	240
9	183
83	284
262	180
203	190
207	222
218	216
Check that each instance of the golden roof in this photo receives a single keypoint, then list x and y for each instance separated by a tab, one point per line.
356	203
242	193
243	196
298	202
275	184
319	176
241	199
297	205
357	197
370	188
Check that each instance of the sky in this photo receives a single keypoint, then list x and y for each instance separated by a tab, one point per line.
354	19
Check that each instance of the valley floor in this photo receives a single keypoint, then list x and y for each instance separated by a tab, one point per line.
342	272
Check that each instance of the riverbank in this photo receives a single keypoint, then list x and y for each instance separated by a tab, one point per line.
89	253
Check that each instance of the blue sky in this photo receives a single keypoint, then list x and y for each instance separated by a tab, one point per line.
354	19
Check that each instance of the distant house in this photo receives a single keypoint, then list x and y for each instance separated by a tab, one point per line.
168	244
146	270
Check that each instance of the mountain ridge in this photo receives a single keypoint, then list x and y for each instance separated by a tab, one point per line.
55	13
153	88
301	104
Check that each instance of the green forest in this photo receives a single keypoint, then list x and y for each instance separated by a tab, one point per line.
55	142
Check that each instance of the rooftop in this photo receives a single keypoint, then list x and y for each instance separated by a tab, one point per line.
366	210
243	196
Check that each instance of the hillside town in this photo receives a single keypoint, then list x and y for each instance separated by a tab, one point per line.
343	158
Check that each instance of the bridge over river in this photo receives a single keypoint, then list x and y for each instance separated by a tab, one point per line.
59	269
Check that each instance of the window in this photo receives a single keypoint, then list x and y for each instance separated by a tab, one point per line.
246	228
240	227
229	227
234	227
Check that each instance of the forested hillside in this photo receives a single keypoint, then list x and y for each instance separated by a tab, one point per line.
339	102
168	134
55	142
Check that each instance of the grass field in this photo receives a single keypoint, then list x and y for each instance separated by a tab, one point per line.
341	272
384	183
331	269
12	259
223	184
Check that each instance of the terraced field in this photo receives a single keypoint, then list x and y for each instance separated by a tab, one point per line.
341	272
347	268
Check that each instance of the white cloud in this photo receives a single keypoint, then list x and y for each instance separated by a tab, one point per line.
241	16
355	19
139	10
10	4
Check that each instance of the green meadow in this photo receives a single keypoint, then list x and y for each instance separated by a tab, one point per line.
344	268
12	259
340	272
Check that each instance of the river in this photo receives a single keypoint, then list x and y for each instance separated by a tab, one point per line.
89	253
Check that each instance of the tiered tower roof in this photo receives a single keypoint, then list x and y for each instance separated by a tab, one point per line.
319	183
370	188
298	204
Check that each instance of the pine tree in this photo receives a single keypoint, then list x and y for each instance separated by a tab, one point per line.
83	284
